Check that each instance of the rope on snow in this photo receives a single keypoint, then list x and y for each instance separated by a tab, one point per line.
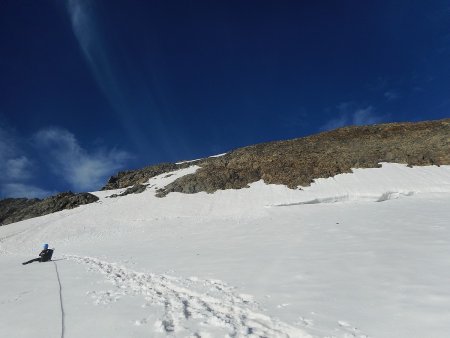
60	302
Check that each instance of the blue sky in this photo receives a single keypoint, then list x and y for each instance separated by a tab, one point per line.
89	87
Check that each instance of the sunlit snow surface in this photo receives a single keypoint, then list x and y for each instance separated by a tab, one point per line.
358	255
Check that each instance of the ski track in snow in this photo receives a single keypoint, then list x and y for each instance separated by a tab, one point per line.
211	303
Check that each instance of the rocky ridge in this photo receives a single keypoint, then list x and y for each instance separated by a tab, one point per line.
298	162
294	163
18	209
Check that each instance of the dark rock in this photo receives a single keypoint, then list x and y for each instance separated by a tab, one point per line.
135	189
18	209
11	206
140	176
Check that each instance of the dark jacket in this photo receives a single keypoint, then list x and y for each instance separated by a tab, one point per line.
46	255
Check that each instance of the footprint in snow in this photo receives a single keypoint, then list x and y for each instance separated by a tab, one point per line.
190	304
305	321
351	331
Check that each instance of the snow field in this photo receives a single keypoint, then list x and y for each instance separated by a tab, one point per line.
325	261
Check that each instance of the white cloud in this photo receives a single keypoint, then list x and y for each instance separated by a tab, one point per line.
16	190
15	167
338	122
348	114
64	157
81	18
365	116
18	168
8	145
83	170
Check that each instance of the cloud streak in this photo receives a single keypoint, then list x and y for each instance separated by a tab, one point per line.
107	63
95	51
98	56
349	115
16	168
391	95
83	170
19	190
25	170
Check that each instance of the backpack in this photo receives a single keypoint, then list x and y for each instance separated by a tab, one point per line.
47	255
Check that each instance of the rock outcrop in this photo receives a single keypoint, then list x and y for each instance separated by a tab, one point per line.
132	177
18	209
135	189
298	162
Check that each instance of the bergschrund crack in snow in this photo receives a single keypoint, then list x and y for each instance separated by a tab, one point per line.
210	303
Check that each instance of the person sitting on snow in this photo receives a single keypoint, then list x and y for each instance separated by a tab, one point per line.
44	256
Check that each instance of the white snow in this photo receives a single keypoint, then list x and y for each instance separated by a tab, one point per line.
218	155
267	261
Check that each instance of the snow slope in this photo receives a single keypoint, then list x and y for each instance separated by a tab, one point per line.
329	260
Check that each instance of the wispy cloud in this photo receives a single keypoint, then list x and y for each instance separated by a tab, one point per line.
16	190
107	63
81	13
391	95
389	88
349	114
338	122
22	166
16	168
365	116
8	145
82	169
81	16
